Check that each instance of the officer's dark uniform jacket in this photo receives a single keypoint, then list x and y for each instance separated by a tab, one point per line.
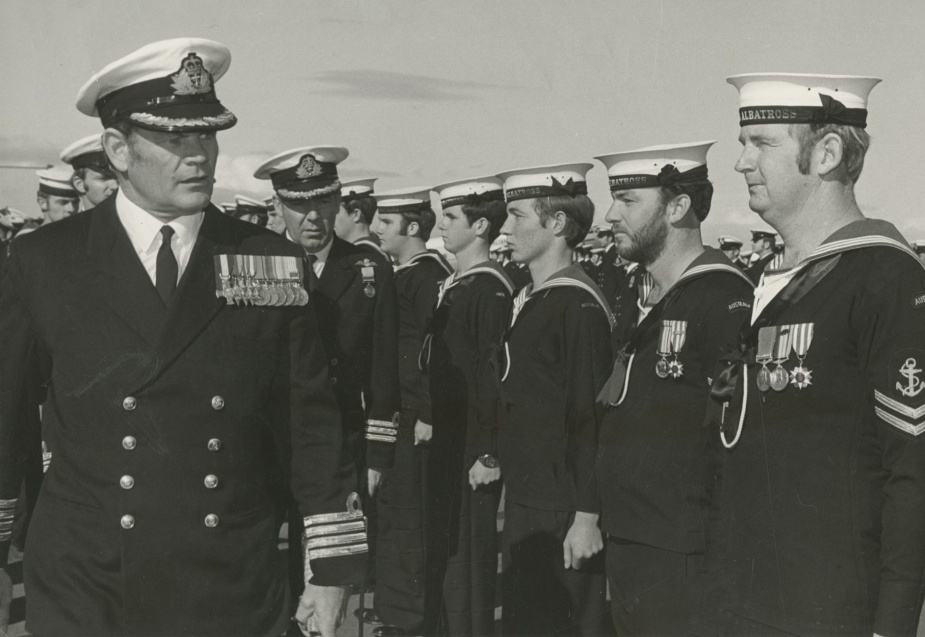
609	275
358	320
555	363
173	424
656	461
755	270
823	497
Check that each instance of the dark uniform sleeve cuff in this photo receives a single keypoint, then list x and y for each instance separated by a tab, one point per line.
898	609
332	542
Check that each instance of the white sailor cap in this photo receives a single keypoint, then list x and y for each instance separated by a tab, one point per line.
356	189
247	205
499	244
268	201
56	181
919	246
799	98
758	235
546	181
413	199
228	207
86	152
470	191
304	173
728	243
168	85
657	166
11	218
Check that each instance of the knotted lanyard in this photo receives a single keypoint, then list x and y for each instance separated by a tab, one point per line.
737	358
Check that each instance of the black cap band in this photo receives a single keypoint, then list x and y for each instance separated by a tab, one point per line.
402	208
473	199
569	189
96	160
57	192
669	176
353	196
831	111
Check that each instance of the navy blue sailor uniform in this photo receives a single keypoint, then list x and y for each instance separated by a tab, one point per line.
174	426
556	361
657	464
471	315
399	597
822	507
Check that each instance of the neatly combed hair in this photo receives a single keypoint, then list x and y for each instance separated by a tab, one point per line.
700	193
579	214
855	142
366	205
424	217
494	212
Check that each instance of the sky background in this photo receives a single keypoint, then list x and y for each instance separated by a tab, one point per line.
427	92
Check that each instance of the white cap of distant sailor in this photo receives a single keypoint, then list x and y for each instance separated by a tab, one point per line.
228	207
798	98
241	201
356	189
919	246
304	173
56	181
86	152
546	181
728	243
656	166
470	191
168	85
404	200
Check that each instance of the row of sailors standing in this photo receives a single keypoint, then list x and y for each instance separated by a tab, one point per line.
797	509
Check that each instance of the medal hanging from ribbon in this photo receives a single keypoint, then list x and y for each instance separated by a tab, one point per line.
764	353
780	376
261	280
670	342
369	280
802	338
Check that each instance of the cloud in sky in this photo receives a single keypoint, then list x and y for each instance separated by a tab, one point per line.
377	84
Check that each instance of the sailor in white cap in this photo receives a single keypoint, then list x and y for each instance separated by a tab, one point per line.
56	195
93	178
357	211
556	360
353	296
173	414
471	314
654	512
821	514
250	210
275	221
730	246
406	220
919	247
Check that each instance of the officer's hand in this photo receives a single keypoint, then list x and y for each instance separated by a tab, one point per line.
373	478
422	432
6	598
582	541
480	475
326	603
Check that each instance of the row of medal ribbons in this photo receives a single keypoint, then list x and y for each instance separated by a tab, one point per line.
254	279
775	344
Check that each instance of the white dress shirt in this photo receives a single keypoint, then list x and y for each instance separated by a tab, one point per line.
321	257
144	231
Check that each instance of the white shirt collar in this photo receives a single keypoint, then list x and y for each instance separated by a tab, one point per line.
143	228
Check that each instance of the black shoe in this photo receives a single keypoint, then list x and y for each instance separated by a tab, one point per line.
367	616
389	631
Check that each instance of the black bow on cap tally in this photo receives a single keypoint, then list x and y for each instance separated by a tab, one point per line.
570	187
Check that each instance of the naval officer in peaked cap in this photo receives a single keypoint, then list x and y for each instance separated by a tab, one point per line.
354	298
177	416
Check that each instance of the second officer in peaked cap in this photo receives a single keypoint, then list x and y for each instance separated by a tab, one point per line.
177	416
353	297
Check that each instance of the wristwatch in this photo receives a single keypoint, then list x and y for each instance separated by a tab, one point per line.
488	460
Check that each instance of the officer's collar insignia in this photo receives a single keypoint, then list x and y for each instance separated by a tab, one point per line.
308	167
192	78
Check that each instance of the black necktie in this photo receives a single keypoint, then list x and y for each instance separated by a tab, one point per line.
167	267
310	275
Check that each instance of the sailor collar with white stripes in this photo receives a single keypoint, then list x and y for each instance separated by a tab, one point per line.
421	256
570	276
490	268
